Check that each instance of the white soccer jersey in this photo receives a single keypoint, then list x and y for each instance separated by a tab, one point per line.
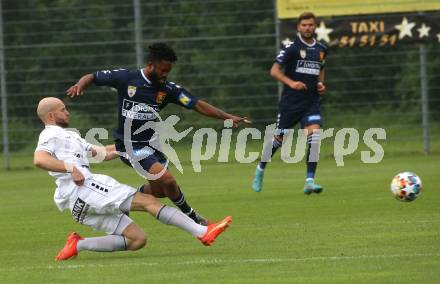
97	202
65	145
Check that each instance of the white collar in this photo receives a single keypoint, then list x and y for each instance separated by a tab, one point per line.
308	44
145	77
52	126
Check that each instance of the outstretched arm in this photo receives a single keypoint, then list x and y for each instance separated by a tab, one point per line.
107	152
80	86
46	161
206	109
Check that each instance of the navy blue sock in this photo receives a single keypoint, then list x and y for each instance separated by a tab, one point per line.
312	154
180	202
275	145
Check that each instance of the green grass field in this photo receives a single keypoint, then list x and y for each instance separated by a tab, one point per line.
354	232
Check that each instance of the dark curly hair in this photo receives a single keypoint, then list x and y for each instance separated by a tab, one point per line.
161	51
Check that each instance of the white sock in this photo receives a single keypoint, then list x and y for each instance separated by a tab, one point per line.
103	244
171	216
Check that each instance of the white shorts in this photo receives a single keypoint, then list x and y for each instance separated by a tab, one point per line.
97	203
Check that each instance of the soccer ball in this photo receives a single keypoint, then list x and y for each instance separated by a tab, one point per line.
406	186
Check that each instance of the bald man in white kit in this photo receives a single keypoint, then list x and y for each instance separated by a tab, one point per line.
99	201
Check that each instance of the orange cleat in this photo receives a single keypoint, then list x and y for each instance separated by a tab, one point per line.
69	250
214	230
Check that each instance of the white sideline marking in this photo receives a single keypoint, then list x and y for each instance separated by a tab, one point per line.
215	261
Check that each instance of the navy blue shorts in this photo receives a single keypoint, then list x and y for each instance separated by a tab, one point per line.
287	119
141	149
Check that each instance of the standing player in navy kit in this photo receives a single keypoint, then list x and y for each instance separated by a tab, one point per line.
303	62
142	94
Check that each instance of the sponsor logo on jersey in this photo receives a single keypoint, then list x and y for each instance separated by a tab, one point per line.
308	67
302	53
139	111
131	91
184	99
160	97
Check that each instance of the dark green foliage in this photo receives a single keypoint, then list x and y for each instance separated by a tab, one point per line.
225	51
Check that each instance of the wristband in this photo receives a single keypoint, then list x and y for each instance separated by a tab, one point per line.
69	167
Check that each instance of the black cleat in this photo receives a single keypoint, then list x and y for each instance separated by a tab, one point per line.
199	219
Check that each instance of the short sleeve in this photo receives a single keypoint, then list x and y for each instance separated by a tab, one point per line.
285	54
46	142
111	78
180	96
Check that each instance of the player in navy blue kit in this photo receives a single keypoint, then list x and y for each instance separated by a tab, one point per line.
141	95
303	62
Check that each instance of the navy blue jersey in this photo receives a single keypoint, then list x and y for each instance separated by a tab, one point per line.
301	62
139	99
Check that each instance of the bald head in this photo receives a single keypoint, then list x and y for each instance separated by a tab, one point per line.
50	110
